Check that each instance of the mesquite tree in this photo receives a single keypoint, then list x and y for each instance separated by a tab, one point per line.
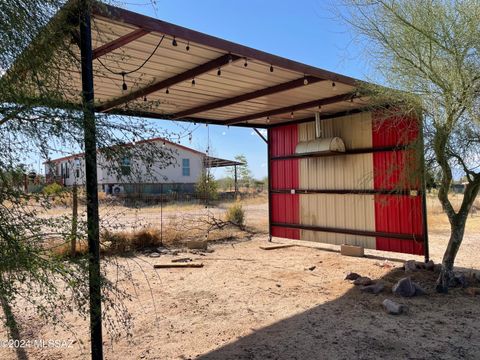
430	49
39	57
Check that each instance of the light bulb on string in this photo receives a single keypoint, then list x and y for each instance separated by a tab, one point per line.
144	98
268	119
124	85
305	80
334	85
193	82
188	46
230	59
271	68
167	91
174	42
219	72
291	115
245	63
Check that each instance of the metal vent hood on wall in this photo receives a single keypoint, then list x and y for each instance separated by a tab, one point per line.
319	144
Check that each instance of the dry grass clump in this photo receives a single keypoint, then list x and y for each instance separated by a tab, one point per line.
63	250
235	214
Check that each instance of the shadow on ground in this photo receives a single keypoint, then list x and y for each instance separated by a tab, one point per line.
354	326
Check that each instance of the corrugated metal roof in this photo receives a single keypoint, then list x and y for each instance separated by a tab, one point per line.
124	40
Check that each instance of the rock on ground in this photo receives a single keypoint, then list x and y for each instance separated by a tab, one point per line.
376	288
391	307
363	280
407	288
352	276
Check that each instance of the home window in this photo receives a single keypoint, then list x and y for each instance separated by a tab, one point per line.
186	167
125	166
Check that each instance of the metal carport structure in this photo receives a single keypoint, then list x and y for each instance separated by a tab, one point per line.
189	76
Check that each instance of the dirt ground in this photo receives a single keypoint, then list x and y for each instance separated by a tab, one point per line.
247	303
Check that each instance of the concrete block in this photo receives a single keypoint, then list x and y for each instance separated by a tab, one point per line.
352	250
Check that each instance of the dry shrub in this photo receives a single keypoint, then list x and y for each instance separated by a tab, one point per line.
146	238
235	214
63	250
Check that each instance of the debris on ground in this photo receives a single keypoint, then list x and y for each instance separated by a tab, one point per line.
197	244
363	280
393	308
178	265
405	287
352	276
154	254
410	266
460	280
430	265
473	291
274	247
185	259
164	251
384	264
376	288
201	252
311	268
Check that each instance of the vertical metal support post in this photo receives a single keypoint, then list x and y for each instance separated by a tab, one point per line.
91	182
424	195
161	214
269	179
236	181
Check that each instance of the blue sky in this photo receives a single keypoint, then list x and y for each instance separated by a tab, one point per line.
302	30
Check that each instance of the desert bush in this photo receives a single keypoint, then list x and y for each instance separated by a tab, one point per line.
53	189
236	214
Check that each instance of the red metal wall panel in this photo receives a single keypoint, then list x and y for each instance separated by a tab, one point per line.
393	213
284	175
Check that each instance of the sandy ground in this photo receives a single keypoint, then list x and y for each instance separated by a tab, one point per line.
247	303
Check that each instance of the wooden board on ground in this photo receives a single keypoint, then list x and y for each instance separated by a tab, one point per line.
178	265
277	246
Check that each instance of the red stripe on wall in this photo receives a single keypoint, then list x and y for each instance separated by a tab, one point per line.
284	175
398	214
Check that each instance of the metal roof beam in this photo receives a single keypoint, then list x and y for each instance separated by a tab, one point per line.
249	96
117	43
163	84
152	24
291	108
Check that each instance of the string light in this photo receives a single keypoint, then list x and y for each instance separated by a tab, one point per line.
219	72
268	119
245	63
167	91
193	82
305	81
333	85
174	42
271	68
230	59
124	85
188	46
291	114
144	98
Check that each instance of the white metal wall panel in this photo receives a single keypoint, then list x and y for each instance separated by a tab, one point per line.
352	172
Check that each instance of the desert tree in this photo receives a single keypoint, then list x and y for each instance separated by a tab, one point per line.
427	53
40	116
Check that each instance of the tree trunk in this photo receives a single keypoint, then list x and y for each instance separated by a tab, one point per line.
446	278
73	236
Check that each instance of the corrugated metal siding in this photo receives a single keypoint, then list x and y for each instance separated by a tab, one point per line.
356	212
284	175
398	214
